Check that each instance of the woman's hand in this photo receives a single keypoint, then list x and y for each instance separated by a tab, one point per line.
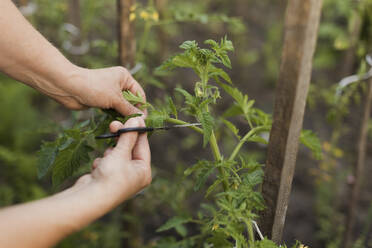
101	88
125	169
122	172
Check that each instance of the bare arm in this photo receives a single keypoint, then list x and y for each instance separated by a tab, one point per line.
28	57
122	172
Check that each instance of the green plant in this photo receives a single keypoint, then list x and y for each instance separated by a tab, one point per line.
233	198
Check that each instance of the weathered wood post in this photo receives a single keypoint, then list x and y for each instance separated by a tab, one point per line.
127	58
74	18
162	35
127	40
358	170
300	35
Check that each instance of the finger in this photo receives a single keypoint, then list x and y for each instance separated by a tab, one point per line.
133	86
108	151
128	140
129	83
96	162
141	150
125	108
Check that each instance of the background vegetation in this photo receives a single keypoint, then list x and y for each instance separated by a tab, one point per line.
321	189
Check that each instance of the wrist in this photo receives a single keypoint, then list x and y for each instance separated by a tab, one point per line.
107	192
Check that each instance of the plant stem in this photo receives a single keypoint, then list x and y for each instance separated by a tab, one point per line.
217	158
213	143
144	40
250	231
244	139
179	122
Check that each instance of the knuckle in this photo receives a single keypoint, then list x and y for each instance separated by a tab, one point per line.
148	180
122	70
148	176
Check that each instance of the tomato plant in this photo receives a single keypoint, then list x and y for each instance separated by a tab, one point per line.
232	180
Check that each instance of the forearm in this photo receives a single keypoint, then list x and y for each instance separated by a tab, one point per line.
27	56
44	222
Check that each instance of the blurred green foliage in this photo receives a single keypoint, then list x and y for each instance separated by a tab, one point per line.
22	110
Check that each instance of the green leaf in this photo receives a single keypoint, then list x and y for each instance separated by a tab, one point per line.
136	99
183	60
213	187
156	118
207	122
202	176
187	95
173	222
211	42
132	98
47	156
181	230
214	71
189	45
311	141
253	178
172	107
232	128
258	139
69	160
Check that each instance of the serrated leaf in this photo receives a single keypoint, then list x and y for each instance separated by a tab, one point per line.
254	178
202	177
65	142
192	169
211	43
136	99
187	95
47	156
173	222
132	98
207	122
189	44
214	71
311	141
69	160
172	107
232	128
183	60
213	187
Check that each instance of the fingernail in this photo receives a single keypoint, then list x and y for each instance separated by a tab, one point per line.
133	122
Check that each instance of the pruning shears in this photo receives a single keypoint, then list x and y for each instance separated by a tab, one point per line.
143	130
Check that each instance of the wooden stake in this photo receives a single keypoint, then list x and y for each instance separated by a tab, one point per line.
301	26
359	170
75	19
162	35
127	58
127	40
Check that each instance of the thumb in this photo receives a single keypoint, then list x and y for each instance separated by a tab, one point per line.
126	141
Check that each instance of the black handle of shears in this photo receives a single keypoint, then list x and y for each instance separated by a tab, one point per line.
125	130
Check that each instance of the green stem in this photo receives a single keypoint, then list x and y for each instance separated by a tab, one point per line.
250	231
213	143
244	139
217	157
179	122
144	40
